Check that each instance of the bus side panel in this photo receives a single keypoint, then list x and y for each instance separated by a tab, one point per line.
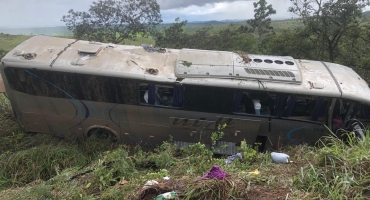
153	125
239	129
292	132
34	122
31	116
198	126
64	116
64	126
119	117
26	103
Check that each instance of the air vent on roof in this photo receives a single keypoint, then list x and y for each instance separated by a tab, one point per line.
90	49
269	72
279	62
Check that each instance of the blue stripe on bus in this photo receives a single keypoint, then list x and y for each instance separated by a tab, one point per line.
289	134
87	112
110	116
94	108
103	111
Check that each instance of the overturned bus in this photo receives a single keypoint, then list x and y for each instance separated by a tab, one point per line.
144	95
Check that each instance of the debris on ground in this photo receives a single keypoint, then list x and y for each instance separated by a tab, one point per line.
215	172
231	159
150	183
123	182
280	158
167	195
151	192
255	172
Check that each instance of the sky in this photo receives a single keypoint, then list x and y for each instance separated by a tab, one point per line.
48	13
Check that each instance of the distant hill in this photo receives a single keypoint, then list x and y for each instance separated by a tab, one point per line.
366	14
191	27
51	31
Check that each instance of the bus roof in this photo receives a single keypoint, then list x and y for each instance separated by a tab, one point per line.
190	66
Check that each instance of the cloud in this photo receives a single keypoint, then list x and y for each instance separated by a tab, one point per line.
235	10
43	13
170	4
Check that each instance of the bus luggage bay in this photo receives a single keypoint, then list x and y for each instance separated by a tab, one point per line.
144	95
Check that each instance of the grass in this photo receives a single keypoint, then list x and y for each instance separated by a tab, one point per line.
39	166
8	42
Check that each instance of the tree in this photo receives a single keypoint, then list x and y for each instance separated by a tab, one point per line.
261	24
173	36
329	21
290	42
114	20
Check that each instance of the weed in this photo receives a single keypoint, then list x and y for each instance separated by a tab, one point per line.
249	154
113	167
215	189
217	135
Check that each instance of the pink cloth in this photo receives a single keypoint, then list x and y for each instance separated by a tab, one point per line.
216	172
337	122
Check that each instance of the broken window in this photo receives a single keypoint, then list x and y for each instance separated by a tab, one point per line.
305	108
363	112
159	95
255	103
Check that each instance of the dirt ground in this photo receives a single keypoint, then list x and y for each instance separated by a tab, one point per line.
256	193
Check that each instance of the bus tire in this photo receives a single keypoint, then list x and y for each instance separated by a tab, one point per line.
103	134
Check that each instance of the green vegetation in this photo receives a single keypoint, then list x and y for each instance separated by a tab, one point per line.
8	42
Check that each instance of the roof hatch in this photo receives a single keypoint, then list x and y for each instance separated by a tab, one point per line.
201	63
90	49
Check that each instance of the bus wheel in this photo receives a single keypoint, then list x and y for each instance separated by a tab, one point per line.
357	128
103	134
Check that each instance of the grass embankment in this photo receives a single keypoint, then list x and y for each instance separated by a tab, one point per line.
39	166
8	42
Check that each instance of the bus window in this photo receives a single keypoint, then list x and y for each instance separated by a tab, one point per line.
73	85
208	99
255	103
159	95
363	113
305	108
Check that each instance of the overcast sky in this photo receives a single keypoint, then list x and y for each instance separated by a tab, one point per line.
45	13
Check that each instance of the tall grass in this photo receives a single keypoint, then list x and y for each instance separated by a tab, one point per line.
340	169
